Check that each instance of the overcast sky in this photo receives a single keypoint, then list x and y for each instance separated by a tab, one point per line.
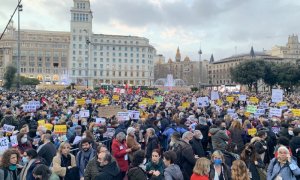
222	27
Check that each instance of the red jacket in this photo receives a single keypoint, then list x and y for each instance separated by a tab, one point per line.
119	152
198	177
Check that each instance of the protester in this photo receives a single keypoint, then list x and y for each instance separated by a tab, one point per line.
31	160
110	169
47	150
23	142
137	168
42	172
196	143
152	142
237	135
155	168
131	142
295	144
219	137
239	171
218	169
9	165
172	171
201	169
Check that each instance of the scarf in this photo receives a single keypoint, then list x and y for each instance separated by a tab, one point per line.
24	171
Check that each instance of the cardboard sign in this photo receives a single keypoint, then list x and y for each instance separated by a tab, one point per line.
252	131
276	129
109	111
84	113
100	120
230	99
159	99
251	109
80	101
109	132
134	114
242	97
296	112
230	111
275	112
49	126
150	93
41	122
35	103
203	102
14	141
60	128
277	95
8	128
123	116
29	108
214	95
4	144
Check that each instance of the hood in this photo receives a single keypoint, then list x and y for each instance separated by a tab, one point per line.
255	139
174	170
213	131
112	168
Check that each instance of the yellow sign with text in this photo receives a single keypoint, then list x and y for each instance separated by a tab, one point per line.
252	131
49	126
254	100
60	128
296	112
116	97
41	122
230	99
185	104
280	104
80	101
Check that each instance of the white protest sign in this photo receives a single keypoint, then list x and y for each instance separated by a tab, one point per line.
134	114
29	108
109	132
242	97
283	107
76	116
230	111
8	128
263	105
277	95
203	101
122	91
214	95
123	116
88	101
100	120
35	103
4	143
77	139
84	113
13	140
260	111
275	112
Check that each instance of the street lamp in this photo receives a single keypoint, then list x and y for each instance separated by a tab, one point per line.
88	42
20	8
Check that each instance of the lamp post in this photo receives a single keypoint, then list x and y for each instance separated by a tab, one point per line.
20	8
88	42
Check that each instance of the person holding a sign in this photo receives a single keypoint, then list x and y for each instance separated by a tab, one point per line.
9	119
9	168
23	142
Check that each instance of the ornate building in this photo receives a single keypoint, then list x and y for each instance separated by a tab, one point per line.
290	51
191	72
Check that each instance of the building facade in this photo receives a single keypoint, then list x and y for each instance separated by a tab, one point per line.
111	59
191	72
44	54
290	51
79	56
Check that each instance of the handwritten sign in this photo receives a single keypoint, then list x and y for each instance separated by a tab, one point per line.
214	95
84	113
4	144
277	95
109	111
203	101
14	141
251	109
230	99
123	116
242	97
134	114
8	128
275	112
252	131
60	128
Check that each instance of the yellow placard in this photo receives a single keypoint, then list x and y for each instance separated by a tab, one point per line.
151	101
219	102
116	97
185	104
296	112
80	101
60	128
150	93
230	99
105	101
283	103
49	126
93	101
98	101
41	122
252	131
254	100
247	114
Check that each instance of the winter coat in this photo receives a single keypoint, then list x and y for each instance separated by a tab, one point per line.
295	144
253	169
9	119
173	172
236	136
92	169
58	169
9	174
156	167
110	171
48	151
136	173
226	172
218	138
288	171
119	152
197	147
198	177
152	143
81	161
133	144
26	173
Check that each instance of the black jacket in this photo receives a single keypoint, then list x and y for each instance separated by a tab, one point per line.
153	143
110	171
226	172
48	151
136	173
197	147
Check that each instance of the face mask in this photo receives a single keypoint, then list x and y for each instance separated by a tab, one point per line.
159	124
37	133
298	125
95	128
23	140
201	137
171	143
285	117
12	167
84	123
291	133
83	137
217	162
158	118
25	159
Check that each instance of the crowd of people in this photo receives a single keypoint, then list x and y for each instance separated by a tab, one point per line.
178	138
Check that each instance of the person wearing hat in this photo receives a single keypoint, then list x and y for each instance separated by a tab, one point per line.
9	119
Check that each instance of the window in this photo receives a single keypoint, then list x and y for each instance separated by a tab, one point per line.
137	61
101	66
120	60
125	60
131	60
143	61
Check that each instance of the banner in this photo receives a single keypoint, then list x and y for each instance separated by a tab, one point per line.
60	128
203	102
277	95
251	109
275	112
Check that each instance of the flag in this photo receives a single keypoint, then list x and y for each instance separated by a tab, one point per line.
126	86
138	90
102	91
129	91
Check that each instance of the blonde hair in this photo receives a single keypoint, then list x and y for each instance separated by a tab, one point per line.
62	145
239	170
217	153
202	167
236	124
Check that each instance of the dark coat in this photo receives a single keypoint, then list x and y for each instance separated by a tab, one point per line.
295	144
110	172
197	147
236	136
188	160
48	151
136	173
153	143
226	172
253	168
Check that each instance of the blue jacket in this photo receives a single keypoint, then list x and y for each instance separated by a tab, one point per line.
288	171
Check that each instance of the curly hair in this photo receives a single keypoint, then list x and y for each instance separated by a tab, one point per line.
239	170
5	162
